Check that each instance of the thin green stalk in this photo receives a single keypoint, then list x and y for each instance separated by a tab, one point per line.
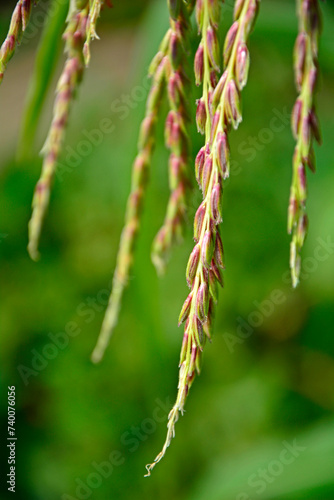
139	182
67	85
305	126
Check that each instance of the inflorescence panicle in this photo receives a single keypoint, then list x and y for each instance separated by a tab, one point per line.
168	71
18	24
218	110
75	37
305	126
140	173
176	136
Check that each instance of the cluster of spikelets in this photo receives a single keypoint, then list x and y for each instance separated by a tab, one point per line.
305	125
222	74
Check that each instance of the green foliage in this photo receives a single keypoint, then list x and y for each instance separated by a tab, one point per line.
275	385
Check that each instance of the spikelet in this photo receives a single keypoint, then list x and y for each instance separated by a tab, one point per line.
94	14
18	24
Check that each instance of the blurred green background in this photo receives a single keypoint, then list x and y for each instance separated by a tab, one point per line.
267	381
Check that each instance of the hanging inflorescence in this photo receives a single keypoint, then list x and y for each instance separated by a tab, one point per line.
221	74
305	125
218	110
167	71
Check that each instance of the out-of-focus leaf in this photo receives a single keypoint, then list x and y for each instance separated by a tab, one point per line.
263	470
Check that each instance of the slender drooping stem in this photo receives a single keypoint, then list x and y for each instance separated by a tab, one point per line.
176	137
217	110
305	126
140	173
18	24
75	37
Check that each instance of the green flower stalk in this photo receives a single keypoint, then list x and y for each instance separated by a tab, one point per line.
217	111
18	24
139	182
75	36
176	137
305	126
